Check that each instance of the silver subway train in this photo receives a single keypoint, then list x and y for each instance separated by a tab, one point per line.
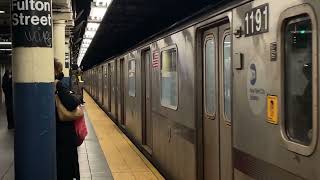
230	93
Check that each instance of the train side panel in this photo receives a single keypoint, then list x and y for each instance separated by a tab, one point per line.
174	137
132	93
262	148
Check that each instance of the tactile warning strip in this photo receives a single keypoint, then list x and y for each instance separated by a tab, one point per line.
125	160
92	162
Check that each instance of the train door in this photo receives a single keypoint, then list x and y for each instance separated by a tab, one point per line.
121	93
88	81
113	89
105	87
92	83
95	83
217	103
116	88
109	87
146	100
100	84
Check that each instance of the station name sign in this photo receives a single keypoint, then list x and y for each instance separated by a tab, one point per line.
31	23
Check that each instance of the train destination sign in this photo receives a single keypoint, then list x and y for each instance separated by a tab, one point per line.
257	20
31	23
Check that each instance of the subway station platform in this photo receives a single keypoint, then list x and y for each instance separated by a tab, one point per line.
125	160
93	165
6	147
106	153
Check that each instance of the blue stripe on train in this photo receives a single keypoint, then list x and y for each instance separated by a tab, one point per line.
35	135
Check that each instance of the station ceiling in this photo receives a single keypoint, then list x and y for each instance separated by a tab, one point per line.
128	22
81	10
5	18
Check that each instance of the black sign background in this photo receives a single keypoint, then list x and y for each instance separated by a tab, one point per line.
252	21
31	35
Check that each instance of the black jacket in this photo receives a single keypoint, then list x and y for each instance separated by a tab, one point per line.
7	85
69	101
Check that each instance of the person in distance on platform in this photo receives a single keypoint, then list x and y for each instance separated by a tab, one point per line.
67	154
7	89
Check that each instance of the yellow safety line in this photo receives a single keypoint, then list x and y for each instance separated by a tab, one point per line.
145	160
124	159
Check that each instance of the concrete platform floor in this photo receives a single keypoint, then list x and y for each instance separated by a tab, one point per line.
6	147
125	160
93	165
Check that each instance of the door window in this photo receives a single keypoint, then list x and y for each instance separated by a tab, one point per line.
169	79
210	76
227	76
298	80
132	78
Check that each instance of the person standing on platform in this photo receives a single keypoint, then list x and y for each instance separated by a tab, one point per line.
7	89
67	154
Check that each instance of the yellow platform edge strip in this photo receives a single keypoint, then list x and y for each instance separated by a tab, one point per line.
99	122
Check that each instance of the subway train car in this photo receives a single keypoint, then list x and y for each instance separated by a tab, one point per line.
229	93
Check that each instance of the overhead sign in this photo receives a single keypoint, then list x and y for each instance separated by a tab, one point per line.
257	20
31	23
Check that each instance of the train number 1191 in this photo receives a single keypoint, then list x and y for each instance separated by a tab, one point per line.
257	20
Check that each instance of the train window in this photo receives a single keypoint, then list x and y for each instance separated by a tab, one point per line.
227	76
210	76
132	78
298	80
169	79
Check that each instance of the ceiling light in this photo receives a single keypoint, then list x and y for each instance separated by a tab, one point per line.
92	26
102	3
85	45
2	12
98	10
96	14
89	34
5	43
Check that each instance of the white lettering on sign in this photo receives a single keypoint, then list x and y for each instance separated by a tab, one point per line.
39	37
31	23
257	20
28	5
31	5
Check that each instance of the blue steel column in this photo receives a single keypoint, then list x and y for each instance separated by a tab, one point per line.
33	77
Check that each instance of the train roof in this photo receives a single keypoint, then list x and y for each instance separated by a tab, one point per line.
129	22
